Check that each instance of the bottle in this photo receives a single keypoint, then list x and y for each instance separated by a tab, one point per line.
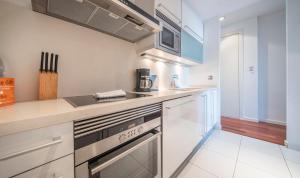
7	88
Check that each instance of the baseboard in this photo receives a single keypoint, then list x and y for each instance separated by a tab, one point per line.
274	122
243	118
249	119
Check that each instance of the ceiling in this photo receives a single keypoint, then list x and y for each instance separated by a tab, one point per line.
208	9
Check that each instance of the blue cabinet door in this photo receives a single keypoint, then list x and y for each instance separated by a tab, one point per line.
191	48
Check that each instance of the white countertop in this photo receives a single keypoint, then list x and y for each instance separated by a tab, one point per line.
37	114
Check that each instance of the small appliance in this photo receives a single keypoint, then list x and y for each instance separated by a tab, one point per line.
118	145
143	81
165	44
169	39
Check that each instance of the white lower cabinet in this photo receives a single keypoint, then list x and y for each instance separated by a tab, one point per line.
182	131
209	104
61	168
27	150
185	122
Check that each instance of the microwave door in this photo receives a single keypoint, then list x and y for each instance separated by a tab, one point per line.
167	39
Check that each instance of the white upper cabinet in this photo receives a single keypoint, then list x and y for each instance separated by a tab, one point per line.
171	8
191	22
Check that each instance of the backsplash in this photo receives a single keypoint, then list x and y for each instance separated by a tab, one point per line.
165	71
89	61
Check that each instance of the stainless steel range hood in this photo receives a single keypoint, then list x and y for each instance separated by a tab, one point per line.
120	18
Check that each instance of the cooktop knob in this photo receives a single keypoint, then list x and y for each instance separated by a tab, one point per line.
122	137
140	130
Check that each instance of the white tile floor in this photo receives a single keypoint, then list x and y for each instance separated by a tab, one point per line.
228	155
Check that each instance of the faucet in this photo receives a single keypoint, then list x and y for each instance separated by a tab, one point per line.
173	81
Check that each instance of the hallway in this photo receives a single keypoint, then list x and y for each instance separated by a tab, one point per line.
260	130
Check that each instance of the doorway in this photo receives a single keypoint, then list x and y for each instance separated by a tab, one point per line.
231	61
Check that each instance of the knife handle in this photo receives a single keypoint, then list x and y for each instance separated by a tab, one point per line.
42	62
51	62
56	63
46	62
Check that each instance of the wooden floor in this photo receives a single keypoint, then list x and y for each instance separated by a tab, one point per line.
264	131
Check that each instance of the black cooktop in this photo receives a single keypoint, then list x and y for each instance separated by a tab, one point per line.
78	101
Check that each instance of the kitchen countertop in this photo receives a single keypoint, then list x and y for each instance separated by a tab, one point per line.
37	114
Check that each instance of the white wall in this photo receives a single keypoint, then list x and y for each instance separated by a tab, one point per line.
199	74
293	73
249	86
272	65
90	61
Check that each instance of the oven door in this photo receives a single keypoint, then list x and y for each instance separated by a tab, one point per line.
169	39
140	158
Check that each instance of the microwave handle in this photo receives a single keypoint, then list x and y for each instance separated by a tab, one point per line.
100	167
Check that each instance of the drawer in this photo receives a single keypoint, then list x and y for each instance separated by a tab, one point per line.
26	150
61	168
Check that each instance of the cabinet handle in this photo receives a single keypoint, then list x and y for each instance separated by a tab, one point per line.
54	141
181	104
171	13
190	29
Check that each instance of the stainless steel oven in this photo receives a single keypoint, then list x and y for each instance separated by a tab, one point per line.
126	144
169	39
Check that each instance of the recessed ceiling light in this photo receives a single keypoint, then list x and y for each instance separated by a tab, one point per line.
221	18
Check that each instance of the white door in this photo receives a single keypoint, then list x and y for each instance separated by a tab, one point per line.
230	88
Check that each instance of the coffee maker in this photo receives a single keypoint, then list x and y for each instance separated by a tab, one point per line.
143	82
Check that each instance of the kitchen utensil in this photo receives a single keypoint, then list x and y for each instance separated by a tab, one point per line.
46	62
48	77
2	68
56	63
51	62
42	62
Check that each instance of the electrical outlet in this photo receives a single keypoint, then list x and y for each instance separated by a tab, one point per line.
210	77
286	143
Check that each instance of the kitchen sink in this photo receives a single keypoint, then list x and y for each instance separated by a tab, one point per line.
184	89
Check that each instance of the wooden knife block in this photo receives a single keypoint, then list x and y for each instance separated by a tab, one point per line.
7	91
48	85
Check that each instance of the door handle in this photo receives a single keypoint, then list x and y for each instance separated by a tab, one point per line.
54	141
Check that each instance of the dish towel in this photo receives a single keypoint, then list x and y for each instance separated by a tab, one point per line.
111	94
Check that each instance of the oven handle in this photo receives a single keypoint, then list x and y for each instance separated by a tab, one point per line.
100	167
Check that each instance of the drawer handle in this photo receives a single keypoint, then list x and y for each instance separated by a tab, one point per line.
191	30
187	102
54	141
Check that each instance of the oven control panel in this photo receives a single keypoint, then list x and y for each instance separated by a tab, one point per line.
131	133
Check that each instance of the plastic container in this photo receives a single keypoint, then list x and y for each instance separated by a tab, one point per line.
7	91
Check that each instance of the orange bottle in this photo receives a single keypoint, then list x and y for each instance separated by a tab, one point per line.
7	91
